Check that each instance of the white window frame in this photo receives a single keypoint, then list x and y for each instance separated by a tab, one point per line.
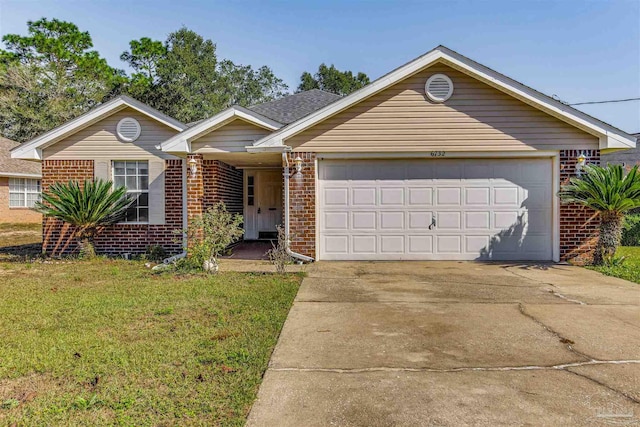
134	192
24	190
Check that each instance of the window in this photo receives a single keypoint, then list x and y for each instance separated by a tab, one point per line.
250	190
135	176
23	192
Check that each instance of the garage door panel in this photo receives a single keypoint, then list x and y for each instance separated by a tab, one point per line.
477	220
392	244
478	196
449	220
364	244
448	196
337	220
363	196
392	220
421	244
393	196
336	196
419	220
420	196
484	209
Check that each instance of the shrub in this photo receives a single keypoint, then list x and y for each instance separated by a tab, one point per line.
278	253
631	230
209	235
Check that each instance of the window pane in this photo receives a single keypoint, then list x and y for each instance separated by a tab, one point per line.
143	214
132	183
131	168
250	191
143	168
249	180
32	198
143	182
132	215
16	199
143	199
32	185
16	184
118	181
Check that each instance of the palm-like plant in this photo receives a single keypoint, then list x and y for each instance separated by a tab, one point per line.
611	193
87	208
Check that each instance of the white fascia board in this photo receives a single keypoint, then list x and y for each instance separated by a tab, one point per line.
32	150
267	148
180	142
20	175
608	135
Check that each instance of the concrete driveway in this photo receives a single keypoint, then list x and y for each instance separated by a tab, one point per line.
455	343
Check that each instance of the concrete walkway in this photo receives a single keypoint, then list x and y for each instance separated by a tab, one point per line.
453	344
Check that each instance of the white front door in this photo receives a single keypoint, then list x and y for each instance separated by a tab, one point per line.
458	209
262	202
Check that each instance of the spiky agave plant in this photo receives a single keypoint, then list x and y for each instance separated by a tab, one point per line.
611	193
87	208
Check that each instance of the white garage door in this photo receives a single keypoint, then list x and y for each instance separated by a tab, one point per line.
458	209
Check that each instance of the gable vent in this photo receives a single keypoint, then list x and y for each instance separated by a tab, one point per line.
128	129
439	88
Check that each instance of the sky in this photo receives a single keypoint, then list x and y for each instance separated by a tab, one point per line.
578	50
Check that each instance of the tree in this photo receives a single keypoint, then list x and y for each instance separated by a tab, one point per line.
611	194
88	208
186	80
143	56
49	77
331	79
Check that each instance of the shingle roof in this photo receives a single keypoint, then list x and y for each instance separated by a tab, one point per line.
9	166
294	107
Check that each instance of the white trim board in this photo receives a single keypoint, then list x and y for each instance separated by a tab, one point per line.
609	136
32	150
181	143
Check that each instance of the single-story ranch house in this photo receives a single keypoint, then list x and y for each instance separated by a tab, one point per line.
440	159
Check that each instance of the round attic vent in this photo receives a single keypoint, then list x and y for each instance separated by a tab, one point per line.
439	88
128	129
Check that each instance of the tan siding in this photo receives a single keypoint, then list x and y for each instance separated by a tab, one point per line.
100	141
476	118
232	137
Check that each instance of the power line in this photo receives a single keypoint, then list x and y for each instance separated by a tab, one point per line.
606	102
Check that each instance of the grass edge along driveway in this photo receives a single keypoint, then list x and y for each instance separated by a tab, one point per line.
107	342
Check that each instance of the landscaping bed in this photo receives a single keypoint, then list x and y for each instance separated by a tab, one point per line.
629	269
108	342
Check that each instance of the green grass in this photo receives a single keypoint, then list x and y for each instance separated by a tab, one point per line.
107	342
630	268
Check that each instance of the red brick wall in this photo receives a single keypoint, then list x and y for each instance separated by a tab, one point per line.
578	225
222	183
195	186
302	205
118	238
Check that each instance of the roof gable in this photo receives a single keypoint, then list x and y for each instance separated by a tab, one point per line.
181	143
609	136
32	150
15	167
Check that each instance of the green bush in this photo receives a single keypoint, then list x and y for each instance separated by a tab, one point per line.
631	230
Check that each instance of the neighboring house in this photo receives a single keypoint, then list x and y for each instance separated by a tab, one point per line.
627	158
442	158
19	186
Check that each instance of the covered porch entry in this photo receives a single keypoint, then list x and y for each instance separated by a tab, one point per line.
248	184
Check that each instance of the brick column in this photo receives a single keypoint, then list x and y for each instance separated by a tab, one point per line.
579	226
195	186
302	205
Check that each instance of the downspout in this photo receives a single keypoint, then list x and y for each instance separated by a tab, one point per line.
185	220
296	255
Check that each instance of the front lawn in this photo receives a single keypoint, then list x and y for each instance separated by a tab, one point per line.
20	240
107	342
630	268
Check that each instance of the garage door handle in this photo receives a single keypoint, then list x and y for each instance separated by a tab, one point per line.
433	223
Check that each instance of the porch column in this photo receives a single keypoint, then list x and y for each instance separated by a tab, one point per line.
195	186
